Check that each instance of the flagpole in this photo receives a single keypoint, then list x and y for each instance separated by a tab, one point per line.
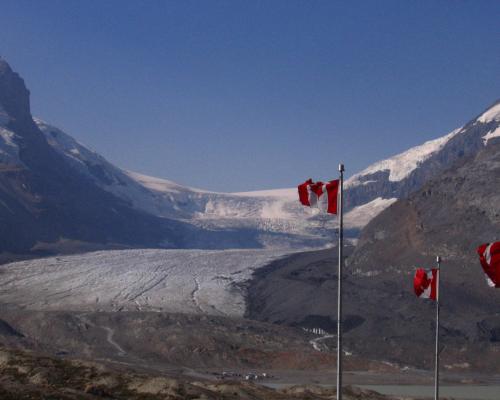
438	295
339	279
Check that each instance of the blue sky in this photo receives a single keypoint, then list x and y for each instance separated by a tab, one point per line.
242	95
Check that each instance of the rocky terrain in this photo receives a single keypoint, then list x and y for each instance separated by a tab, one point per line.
450	216
165	341
29	375
152	355
383	319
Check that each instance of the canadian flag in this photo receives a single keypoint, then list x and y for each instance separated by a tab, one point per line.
425	283
489	256
319	194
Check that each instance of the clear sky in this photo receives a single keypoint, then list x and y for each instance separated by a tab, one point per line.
242	95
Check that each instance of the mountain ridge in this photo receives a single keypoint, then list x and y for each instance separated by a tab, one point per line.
54	190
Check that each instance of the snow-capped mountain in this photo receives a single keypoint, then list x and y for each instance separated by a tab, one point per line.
55	190
276	215
278	211
401	175
56	194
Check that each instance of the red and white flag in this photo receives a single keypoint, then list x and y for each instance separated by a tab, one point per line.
321	195
425	283
489	256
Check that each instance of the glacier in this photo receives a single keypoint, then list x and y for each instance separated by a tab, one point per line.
185	281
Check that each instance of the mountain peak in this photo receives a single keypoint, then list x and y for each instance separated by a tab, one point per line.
14	96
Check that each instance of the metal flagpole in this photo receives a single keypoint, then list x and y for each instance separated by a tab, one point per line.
339	278
438	294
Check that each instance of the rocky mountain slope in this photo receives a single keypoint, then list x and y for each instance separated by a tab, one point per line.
43	200
449	216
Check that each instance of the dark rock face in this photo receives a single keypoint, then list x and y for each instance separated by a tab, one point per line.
450	216
7	330
14	96
44	200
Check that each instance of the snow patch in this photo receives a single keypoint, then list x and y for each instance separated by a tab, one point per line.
9	150
402	165
359	216
490	135
160	185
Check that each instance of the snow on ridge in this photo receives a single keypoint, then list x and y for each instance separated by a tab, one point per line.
492	114
402	165
9	150
159	184
359	216
65	142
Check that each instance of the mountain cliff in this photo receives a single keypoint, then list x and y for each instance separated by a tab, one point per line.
44	200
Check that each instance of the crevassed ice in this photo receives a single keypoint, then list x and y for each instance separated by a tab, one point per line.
401	165
187	281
